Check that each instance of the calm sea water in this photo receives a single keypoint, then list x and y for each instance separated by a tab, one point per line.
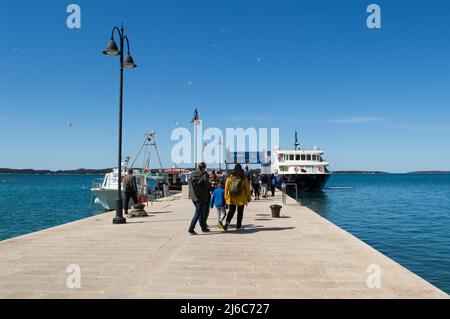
406	217
29	203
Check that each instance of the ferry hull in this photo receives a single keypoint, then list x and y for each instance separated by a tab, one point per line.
304	182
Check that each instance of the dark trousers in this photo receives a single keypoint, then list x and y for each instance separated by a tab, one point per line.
129	195
240	216
272	188
256	190
199	216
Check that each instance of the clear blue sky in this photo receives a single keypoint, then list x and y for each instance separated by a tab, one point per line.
372	99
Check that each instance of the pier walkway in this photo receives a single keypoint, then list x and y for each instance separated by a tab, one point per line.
300	255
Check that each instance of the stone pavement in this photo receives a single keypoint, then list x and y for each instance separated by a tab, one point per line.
300	255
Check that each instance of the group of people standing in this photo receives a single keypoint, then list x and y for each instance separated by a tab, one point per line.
261	184
232	193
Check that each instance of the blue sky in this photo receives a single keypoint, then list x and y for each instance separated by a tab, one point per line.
372	99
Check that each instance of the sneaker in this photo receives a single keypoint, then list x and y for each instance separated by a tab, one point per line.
225	228
192	232
240	229
207	230
219	223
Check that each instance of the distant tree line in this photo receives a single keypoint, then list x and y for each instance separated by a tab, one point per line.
74	171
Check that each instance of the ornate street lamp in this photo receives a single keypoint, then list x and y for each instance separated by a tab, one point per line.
113	50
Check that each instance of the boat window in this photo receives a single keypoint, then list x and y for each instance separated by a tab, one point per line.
303	157
291	157
297	157
308	157
283	168
314	158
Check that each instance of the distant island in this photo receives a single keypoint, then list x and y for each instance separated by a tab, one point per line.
84	171
380	172
80	171
430	172
359	172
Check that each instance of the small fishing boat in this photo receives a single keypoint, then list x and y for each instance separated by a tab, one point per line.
105	191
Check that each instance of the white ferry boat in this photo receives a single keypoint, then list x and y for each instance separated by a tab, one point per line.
307	169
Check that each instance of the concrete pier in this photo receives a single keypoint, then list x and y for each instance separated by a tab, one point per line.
300	255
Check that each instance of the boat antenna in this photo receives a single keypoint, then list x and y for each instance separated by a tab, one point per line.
296	144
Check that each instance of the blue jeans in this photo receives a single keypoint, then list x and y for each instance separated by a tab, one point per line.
200	214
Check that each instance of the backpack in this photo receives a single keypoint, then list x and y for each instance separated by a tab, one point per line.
197	182
235	186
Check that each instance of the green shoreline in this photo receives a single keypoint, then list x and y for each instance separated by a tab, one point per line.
80	171
83	171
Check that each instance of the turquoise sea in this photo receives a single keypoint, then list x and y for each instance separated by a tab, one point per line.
406	217
29	203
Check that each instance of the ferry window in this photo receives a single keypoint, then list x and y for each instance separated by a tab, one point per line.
297	157
303	157
314	158
308	157
291	157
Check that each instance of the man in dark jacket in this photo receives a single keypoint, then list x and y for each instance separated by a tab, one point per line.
273	183
129	182
199	187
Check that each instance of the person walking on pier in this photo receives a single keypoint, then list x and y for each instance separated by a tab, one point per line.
265	180
218	200
199	188
256	180
237	195
273	183
129	181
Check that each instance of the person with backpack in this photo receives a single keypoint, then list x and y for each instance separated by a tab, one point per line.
199	187
273	184
218	199
237	195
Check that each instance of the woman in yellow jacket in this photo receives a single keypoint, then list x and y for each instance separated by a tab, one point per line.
237	195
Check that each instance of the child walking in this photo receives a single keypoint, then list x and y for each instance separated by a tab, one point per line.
218	199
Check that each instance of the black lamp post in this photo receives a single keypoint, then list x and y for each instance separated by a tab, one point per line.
113	50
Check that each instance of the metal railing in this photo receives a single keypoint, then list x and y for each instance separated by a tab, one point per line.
284	192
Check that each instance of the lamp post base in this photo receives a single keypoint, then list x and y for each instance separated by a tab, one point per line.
119	219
